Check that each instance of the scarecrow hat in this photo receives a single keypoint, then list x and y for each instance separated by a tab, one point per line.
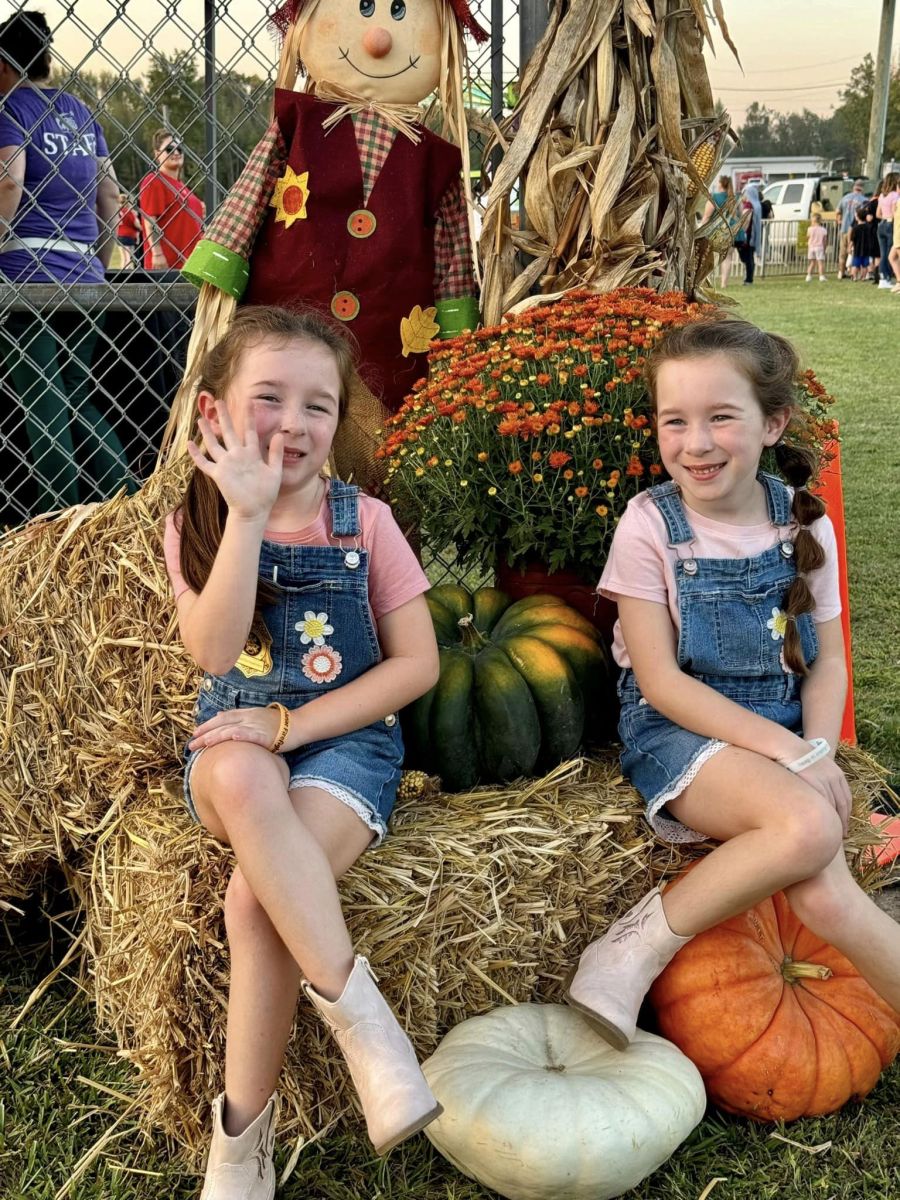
288	12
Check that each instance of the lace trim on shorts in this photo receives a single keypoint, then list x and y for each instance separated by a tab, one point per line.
352	801
668	827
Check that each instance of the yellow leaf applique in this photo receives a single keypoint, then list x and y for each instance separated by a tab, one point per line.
417	330
290	196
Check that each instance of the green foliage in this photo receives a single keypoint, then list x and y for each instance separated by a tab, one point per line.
172	94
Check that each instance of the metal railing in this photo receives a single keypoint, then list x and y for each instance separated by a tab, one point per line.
784	249
88	369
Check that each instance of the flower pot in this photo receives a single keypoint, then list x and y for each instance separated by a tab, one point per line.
532	577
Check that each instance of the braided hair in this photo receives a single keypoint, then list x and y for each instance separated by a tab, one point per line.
770	364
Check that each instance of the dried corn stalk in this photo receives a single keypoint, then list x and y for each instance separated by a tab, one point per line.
615	140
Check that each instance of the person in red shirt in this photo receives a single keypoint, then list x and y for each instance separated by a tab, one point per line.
171	213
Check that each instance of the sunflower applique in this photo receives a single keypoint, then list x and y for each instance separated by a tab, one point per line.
290	196
314	628
777	623
322	664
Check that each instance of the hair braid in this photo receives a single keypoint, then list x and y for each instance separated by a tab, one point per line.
797	464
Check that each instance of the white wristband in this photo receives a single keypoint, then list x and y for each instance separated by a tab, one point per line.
820	749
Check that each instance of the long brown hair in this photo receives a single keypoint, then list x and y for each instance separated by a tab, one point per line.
203	510
770	364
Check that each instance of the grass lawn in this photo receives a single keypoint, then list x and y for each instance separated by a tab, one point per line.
66	1122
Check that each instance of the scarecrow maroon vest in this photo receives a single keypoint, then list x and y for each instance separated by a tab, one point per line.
367	264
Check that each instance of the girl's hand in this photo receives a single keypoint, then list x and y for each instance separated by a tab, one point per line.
248	483
829	781
257	725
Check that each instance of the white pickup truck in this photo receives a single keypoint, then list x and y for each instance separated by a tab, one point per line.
796	199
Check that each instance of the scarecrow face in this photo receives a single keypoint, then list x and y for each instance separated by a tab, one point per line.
386	50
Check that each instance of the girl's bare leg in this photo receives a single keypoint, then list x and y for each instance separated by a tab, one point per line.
834	906
282	908
774	829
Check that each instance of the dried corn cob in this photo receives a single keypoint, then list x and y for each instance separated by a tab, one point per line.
415	785
704	159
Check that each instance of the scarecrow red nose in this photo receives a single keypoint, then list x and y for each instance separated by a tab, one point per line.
377	42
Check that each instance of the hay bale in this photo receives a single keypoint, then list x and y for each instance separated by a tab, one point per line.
475	900
95	689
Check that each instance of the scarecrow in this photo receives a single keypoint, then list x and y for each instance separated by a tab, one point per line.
351	205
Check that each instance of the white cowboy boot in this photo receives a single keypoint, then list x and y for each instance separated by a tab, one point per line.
396	1099
615	973
241	1168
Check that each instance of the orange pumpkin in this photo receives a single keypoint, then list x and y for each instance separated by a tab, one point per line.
779	1024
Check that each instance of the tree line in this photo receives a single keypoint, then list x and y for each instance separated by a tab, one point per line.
172	93
840	137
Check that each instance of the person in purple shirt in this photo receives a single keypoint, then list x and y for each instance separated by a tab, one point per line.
58	207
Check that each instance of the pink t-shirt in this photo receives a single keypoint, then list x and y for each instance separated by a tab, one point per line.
817	237
395	575
642	564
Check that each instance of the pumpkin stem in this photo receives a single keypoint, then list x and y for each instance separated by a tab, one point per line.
471	638
793	972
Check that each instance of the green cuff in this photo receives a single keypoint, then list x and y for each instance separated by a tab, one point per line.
211	263
455	316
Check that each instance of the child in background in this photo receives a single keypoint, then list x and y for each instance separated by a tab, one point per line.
733	681
301	601
859	237
816	241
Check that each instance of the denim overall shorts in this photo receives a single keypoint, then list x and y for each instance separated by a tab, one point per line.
318	636
731	638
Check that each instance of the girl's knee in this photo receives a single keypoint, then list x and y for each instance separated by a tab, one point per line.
809	832
238	771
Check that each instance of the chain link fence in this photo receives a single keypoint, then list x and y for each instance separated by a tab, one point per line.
91	353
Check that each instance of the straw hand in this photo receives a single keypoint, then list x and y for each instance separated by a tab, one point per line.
248	482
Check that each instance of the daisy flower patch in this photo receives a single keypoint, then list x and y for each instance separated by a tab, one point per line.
777	623
314	628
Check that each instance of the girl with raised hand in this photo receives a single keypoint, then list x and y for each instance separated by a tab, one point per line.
303	604
733	679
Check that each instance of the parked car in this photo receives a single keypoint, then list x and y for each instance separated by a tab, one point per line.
797	199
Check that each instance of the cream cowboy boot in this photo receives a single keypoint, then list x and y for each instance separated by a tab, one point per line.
241	1168
396	1100
615	973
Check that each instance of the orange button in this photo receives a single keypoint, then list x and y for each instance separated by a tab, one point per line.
361	223
345	306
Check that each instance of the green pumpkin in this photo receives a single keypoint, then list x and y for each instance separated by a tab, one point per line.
520	688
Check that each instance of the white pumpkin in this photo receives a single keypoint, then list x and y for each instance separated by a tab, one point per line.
538	1107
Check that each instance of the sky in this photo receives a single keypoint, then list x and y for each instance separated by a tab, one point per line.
794	53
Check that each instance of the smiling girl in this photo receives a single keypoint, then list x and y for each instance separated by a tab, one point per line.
302	603
733	676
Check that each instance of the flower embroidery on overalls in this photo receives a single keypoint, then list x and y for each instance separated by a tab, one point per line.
314	628
777	623
322	664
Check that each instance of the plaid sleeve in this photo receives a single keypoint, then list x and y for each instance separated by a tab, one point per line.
454	275
241	213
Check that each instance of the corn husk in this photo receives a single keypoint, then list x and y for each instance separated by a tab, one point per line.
615	106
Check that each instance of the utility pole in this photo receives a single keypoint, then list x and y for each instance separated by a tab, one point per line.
878	118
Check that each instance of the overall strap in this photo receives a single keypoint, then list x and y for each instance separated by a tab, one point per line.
344	501
667	499
778	499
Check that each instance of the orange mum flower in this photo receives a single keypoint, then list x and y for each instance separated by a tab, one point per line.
559	458
515	467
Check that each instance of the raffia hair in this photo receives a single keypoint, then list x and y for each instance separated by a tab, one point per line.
203	510
770	364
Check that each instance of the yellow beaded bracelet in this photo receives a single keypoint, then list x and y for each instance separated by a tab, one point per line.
284	726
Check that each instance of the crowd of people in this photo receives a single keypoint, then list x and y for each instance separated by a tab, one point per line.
865	225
